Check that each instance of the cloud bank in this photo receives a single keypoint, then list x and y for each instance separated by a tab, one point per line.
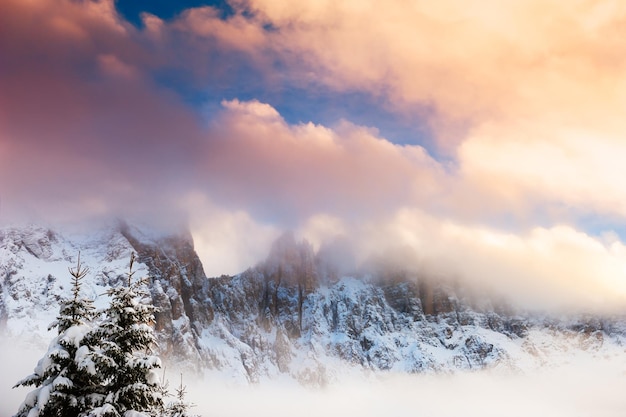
166	121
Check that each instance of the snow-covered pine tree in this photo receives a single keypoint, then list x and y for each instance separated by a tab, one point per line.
63	381
126	338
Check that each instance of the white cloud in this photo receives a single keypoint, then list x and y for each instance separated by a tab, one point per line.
558	267
320	229
227	241
546	165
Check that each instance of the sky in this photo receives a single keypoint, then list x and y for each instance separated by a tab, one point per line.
482	142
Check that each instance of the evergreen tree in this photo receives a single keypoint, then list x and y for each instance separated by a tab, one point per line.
179	407
63	377
124	359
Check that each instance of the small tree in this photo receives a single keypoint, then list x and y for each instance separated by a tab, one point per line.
63	380
125	338
179	407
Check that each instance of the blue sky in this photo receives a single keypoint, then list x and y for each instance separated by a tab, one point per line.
132	9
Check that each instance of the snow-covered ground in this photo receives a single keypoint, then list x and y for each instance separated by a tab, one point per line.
34	264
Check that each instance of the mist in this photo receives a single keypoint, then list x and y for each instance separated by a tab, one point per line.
19	359
577	390
581	386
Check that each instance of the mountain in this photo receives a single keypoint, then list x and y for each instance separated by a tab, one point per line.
300	314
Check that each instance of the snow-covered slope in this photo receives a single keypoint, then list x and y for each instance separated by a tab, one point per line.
34	274
296	315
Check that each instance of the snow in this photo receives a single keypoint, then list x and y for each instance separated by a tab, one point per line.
133	413
61	381
106	409
84	361
147	362
36	259
75	334
43	394
31	398
152	377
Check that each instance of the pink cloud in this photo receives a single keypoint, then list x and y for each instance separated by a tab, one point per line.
256	156
488	79
86	124
236	32
79	121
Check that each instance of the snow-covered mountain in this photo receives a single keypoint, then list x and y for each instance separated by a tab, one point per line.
299	314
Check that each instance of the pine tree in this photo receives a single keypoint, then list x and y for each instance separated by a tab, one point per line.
124	359
179	407
63	378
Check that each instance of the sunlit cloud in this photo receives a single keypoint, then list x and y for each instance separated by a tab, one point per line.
522	58
523	100
579	168
524	84
258	159
556	268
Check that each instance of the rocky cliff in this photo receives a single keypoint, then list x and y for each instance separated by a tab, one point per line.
303	314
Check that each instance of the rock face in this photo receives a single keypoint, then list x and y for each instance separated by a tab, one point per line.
178	287
299	313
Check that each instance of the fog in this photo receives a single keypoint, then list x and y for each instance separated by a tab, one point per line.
579	390
18	361
586	386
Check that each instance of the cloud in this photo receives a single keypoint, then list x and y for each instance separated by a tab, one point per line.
84	129
112	65
255	158
580	168
227	241
234	32
585	385
555	268
494	61
321	229
523	99
20	361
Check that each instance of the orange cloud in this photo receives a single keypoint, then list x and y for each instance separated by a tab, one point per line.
525	96
235	32
499	60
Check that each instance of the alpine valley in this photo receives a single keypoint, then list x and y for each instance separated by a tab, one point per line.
300	314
